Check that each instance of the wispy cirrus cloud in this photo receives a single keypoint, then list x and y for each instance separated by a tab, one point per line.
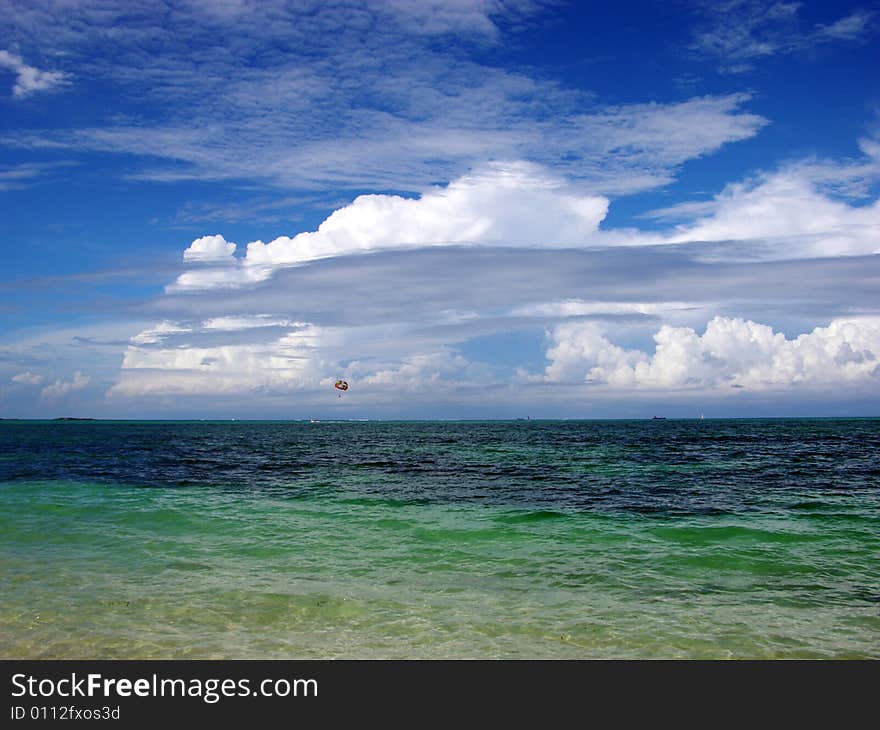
263	208
615	150
26	174
21	176
739	32
265	92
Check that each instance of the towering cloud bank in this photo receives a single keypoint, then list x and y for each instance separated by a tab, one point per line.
513	204
731	353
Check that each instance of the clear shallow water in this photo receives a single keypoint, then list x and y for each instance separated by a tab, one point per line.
638	539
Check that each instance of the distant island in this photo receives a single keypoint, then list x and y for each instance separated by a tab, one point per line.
69	418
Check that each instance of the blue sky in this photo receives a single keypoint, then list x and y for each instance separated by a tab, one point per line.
473	208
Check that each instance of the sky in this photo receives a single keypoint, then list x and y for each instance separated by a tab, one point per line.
465	209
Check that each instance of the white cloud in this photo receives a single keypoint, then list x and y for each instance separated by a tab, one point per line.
731	354
513	204
288	362
27	378
582	352
28	78
212	278
209	248
787	212
60	388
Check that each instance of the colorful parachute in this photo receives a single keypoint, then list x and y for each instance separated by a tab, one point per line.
340	385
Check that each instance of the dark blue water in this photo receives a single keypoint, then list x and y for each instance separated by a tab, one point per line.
667	466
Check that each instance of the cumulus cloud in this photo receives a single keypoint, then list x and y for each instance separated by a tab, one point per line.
731	354
209	248
61	388
27	378
582	352
29	79
513	204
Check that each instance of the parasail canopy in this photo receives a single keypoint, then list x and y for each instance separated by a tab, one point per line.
340	385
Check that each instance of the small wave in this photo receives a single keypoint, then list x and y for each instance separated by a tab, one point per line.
807	505
728	533
526	517
187	565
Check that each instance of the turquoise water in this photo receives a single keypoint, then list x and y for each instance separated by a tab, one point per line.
615	539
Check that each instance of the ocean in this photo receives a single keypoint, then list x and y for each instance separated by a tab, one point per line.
653	539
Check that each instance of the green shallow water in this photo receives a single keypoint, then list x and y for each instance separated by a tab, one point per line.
440	541
131	572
